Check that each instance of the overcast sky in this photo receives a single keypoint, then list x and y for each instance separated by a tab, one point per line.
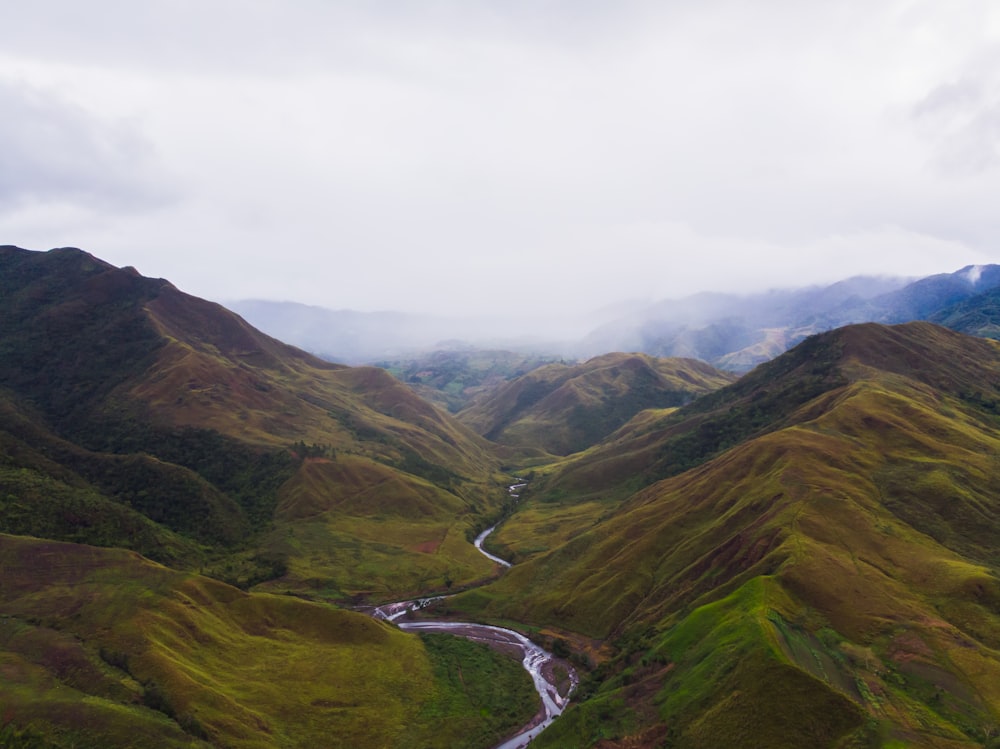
479	156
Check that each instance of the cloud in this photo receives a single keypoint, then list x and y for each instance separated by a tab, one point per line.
438	154
962	121
54	152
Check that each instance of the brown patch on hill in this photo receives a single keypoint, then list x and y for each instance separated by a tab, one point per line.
427	547
595	651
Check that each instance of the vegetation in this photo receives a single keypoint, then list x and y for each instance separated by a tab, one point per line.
978	316
840	563
564	409
805	557
452	379
151	656
164	425
176	429
484	696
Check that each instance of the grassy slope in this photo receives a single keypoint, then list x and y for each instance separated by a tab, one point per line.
452	379
564	409
101	648
351	527
665	442
43	496
344	527
114	363
849	551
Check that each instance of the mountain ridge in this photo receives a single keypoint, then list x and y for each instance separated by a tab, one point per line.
565	408
847	545
148	381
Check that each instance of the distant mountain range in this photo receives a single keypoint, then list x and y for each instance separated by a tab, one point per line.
734	332
739	332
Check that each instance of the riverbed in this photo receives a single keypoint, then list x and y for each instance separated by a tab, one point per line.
554	678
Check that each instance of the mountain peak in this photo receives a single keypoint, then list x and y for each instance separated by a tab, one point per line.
922	351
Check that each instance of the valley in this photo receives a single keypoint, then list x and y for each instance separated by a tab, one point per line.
554	680
193	513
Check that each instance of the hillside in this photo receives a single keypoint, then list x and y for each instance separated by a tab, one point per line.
808	556
978	315
151	405
564	408
101	648
452	379
819	568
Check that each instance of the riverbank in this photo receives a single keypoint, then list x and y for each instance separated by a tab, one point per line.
555	678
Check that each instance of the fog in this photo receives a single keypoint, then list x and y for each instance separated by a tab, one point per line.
530	163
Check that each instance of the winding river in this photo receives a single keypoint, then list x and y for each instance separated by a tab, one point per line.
537	662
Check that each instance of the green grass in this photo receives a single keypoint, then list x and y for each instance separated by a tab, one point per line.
101	648
135	415
451	379
805	558
347	558
481	696
564	409
831	581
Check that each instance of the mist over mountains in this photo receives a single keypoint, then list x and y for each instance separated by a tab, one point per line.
730	331
353	337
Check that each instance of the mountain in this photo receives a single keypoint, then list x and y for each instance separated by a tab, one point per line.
130	402
733	332
978	315
738	332
812	560
453	378
102	648
807	556
564	408
137	419
927	296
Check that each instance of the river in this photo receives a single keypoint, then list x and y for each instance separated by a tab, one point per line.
539	663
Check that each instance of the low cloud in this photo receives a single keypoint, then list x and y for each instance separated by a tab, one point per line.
503	158
54	152
962	121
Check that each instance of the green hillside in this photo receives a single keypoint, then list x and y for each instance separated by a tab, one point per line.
100	648
452	379
978	316
808	556
139	419
827	575
132	403
564	408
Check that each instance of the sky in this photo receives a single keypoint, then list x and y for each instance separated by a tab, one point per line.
503	157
